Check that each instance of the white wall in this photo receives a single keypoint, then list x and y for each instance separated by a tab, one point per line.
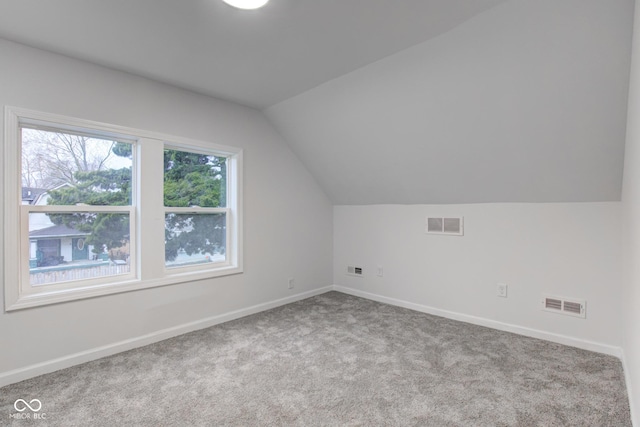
525	102
287	218
631	222
570	250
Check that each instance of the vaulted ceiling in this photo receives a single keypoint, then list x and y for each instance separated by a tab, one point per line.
255	58
404	101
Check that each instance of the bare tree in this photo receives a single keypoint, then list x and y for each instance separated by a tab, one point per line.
50	159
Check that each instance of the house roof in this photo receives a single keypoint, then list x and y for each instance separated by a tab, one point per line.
31	194
57	231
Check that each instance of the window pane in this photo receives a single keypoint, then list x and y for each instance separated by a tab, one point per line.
194	238
194	179
76	246
64	169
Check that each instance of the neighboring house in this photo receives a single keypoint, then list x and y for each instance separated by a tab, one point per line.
31	195
56	244
51	244
39	197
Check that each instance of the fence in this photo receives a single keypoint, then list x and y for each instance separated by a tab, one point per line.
65	273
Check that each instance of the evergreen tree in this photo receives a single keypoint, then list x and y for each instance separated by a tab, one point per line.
193	179
106	187
190	180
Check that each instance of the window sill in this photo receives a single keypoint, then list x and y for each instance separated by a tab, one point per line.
44	297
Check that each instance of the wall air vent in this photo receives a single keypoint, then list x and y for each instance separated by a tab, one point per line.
553	304
445	225
569	306
354	271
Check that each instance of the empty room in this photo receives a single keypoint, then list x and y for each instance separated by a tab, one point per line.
320	213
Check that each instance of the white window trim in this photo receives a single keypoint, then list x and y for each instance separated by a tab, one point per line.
148	246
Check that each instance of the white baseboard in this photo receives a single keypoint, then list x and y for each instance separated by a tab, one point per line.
31	371
635	407
534	333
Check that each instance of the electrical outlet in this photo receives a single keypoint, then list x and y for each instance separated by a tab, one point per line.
502	290
291	283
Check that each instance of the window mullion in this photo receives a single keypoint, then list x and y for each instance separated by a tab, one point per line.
151	208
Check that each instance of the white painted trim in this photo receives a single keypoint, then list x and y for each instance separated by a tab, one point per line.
627	379
49	366
521	330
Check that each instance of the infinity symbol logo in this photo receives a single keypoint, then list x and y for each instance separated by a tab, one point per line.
21	408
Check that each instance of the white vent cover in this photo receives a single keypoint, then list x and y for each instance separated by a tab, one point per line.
354	271
561	305
445	225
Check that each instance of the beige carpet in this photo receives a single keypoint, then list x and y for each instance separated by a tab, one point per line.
334	360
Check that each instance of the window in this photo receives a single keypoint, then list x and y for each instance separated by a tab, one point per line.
82	209
195	208
84	193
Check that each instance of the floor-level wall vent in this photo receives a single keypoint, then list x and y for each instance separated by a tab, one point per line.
354	271
561	305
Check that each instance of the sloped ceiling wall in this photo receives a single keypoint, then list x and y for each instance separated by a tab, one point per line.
255	58
523	103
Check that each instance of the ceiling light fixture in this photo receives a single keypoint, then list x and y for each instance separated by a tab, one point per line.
246	4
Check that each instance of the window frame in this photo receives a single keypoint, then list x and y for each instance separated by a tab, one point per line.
198	210
147	229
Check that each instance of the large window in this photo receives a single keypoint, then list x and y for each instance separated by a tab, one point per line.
92	209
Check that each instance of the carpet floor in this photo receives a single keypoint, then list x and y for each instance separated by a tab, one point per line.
334	360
